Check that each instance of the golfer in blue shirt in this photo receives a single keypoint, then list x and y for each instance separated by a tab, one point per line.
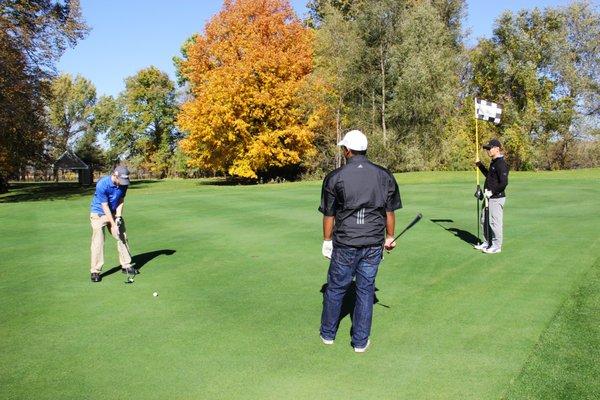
106	210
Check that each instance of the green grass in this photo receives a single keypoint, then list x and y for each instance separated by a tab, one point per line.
565	363
238	310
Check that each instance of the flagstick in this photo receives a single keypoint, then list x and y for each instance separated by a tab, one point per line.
477	171
476	146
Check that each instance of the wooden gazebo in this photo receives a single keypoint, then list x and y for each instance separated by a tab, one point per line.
69	161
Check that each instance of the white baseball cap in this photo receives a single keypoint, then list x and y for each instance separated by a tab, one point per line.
354	140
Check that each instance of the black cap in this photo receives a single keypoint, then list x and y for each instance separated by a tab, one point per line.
492	143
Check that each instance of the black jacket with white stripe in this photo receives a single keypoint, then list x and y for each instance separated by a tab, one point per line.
359	194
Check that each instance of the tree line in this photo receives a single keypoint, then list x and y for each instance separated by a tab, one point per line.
262	94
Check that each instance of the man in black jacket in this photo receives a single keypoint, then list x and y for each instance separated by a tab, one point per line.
358	202
496	180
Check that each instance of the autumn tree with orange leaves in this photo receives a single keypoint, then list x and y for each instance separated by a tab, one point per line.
246	116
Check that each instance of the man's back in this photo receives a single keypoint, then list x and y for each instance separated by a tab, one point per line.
358	203
358	195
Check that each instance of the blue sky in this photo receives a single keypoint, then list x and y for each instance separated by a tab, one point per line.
128	35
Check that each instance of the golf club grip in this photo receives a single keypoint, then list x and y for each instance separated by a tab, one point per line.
414	221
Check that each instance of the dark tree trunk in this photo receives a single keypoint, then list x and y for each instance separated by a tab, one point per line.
3	184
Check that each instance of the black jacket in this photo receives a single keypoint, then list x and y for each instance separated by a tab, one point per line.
496	179
358	195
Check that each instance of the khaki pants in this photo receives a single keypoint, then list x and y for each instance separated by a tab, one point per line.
98	223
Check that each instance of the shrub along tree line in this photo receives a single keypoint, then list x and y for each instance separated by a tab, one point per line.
262	94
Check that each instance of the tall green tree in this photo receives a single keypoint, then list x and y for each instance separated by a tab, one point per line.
22	123
579	72
140	123
42	29
338	47
426	89
319	9
542	64
179	61
70	110
33	34
452	14
89	151
400	79
379	22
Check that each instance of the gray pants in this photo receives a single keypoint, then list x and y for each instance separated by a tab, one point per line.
496	207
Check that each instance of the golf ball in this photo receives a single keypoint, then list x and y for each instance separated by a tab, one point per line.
155	294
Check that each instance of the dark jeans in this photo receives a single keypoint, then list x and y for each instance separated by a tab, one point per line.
347	263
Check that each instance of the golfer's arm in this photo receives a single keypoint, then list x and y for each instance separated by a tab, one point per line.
328	223
390	223
119	211
482	168
108	213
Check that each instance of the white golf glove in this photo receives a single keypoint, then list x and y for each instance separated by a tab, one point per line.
487	193
327	248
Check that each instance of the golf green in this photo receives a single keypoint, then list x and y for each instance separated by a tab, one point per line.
238	272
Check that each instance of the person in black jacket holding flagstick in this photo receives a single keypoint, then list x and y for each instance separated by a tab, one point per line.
496	180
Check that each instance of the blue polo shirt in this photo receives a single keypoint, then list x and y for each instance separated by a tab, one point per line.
107	192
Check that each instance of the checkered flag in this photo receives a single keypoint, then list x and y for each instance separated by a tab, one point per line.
488	111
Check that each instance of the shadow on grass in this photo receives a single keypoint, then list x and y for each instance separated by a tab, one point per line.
226	182
140	260
237	181
50	191
41	191
142	184
463	235
349	302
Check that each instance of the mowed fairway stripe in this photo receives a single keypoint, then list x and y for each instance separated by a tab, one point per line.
239	305
565	362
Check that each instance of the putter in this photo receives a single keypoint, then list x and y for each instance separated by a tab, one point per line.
129	277
123	237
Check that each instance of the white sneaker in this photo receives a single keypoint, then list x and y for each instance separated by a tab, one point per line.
363	349
326	341
481	246
492	250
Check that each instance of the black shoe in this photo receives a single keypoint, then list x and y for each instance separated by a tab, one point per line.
130	271
96	277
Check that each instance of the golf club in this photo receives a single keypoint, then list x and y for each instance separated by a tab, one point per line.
129	276
123	237
413	223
